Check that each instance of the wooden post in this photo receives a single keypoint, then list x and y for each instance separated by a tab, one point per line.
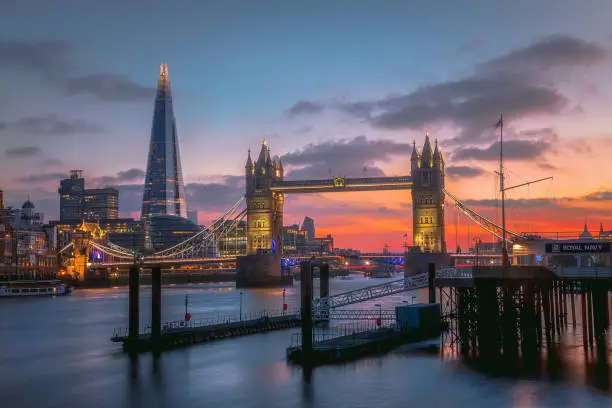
306	297
572	294
432	282
324	280
133	303
585	323
156	303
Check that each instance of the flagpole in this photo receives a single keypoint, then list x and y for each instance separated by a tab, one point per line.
502	188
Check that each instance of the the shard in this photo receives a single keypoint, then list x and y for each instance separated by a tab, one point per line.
164	193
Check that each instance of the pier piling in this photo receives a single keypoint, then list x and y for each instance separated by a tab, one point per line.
432	282
156	303
324	280
306	298
133	301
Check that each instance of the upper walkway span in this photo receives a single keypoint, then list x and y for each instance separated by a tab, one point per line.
343	184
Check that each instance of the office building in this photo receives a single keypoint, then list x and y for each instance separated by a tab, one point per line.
101	204
71	193
164	192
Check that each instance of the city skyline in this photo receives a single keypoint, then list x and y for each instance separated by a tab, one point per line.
357	113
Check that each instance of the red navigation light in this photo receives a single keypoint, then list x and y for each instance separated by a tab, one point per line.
284	306
187	316
378	322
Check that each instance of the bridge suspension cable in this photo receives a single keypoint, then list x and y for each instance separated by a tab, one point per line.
67	247
482	221
218	228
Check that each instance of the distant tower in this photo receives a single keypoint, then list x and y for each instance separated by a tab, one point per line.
164	193
265	208
428	198
27	212
309	226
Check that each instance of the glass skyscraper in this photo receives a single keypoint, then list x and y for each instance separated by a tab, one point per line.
164	193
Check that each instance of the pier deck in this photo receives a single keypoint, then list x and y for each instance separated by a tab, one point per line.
354	346
179	336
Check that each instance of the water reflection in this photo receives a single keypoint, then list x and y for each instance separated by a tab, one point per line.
252	371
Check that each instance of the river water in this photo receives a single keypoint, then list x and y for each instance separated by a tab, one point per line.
56	352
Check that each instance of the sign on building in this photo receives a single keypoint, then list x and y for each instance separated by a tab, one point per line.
577	247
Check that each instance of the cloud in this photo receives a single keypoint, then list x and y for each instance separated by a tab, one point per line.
552	52
50	161
513	150
121	177
24	151
547	166
463	171
217	195
470	45
343	157
521	83
50	125
305	107
42	178
599	196
108	87
542	202
303	130
48	58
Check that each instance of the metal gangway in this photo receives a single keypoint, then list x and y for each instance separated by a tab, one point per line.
372	292
351	314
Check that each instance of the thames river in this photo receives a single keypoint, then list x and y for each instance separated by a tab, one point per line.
56	352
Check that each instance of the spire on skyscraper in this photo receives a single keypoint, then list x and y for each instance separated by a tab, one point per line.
163	82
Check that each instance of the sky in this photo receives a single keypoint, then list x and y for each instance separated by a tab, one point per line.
340	87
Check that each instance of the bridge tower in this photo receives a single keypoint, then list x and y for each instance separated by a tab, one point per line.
264	207
427	171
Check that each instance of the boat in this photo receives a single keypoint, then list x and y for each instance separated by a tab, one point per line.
17	288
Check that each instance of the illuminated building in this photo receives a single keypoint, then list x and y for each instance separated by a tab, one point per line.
428	198
26	245
294	239
71	192
78	204
101	204
265	207
169	230
309	226
163	190
234	242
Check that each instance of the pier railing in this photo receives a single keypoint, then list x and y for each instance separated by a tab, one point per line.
464	272
352	332
592	272
177	325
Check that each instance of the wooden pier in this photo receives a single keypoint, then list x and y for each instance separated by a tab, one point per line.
499	313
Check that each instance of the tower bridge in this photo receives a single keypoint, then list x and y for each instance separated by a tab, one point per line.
266	187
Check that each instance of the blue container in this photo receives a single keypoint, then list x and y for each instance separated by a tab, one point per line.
419	317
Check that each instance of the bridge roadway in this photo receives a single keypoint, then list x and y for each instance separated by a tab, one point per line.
343	184
232	259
